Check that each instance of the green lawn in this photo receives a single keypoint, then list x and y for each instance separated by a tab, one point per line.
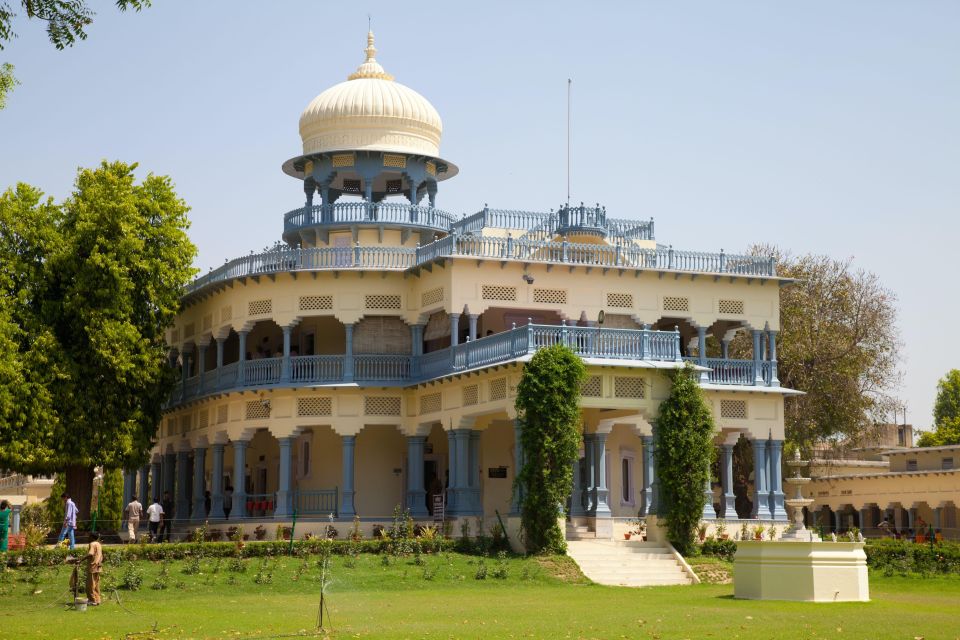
538	599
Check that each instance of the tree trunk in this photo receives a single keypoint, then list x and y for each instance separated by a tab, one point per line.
80	489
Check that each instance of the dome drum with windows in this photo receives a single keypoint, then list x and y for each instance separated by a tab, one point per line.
376	139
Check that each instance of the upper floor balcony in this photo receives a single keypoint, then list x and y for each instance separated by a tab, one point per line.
341	214
282	259
631	347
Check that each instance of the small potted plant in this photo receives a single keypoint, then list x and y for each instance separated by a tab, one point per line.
758	532
772	534
722	530
702	531
260	533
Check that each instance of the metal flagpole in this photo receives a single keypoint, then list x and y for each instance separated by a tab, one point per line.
569	87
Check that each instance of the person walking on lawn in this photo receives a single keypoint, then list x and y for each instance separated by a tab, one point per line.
133	511
155	516
69	521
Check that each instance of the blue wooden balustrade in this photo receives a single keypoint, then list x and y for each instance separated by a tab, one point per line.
361	212
316	501
359	257
392	369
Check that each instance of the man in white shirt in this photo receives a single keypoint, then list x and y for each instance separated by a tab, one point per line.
155	517
133	511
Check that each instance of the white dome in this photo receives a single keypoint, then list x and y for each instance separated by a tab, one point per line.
371	112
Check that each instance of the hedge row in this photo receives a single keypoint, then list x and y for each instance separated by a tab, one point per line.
46	556
886	555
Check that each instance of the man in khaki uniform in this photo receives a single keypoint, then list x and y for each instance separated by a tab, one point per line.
95	558
134	512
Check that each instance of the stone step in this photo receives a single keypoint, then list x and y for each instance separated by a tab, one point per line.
627	563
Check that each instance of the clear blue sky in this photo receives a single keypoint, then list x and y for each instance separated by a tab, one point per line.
828	127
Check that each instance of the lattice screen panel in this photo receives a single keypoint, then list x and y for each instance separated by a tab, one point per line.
381	406
314	406
343	160
188	331
673	303
207	322
256	410
471	395
430	403
620	300
391	160
222	413
498	389
592	387
731	306
175	336
433	296
171	426
498	292
185	423
550	296
733	409
259	307
628	387
226	313
316	303
204	419
382	301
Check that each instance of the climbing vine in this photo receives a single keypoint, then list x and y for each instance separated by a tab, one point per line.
683	451
548	406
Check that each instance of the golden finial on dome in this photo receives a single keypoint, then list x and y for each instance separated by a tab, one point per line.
370	68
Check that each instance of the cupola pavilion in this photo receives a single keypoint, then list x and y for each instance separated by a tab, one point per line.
371	359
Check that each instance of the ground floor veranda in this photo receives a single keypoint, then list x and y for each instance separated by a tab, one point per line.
905	504
322	475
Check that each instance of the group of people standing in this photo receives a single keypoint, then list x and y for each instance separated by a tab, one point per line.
160	515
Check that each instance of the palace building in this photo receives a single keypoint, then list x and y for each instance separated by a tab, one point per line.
371	358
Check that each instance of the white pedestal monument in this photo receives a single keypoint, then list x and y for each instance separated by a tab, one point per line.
800	566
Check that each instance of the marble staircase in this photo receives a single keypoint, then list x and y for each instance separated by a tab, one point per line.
627	563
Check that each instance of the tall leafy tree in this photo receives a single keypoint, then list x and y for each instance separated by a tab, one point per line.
548	406
839	343
946	413
683	448
111	284
30	363
66	20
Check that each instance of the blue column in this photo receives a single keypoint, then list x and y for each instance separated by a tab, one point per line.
15	520
454	329
464	503
219	362
761	494
576	496
285	366
729	502
911	518
284	495
201	364
472	318
864	518
937	517
709	513
702	354
473	475
182	501
600	474
169	473
646	503
216	482
144	486
156	480
199	485
416	496
724	349
241	363
416	348
184	367
777	510
239	478
346	493
757	354
129	488
589	480
348	356
452	473
516	503
772	355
